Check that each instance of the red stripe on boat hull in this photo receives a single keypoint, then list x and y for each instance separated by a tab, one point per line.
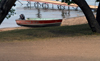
35	23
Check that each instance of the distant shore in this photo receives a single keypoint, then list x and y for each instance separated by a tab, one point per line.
65	22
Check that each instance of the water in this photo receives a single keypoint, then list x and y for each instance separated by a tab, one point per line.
32	13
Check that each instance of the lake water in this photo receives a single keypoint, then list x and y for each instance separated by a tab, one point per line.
32	13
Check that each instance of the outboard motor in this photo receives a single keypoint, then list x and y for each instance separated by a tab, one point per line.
22	17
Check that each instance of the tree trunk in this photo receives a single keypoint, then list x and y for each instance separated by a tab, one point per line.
89	15
98	14
5	6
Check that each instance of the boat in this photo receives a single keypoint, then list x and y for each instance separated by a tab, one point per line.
39	22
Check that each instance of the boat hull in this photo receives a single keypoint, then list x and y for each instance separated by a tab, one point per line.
39	23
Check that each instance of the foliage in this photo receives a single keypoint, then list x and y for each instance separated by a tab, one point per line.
11	12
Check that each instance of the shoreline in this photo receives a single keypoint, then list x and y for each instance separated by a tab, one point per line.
66	22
